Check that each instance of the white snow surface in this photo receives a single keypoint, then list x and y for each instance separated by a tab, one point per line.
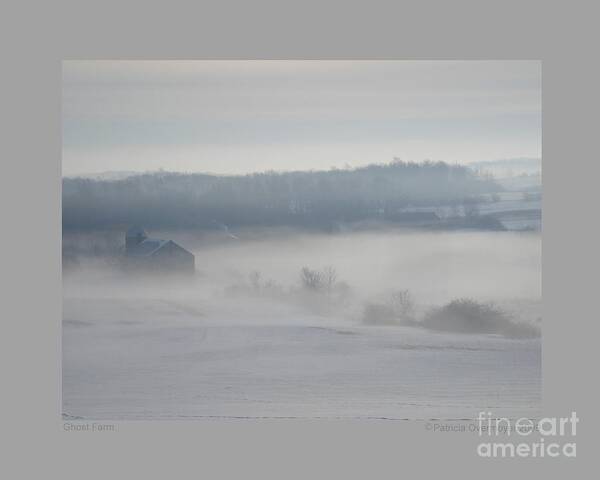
154	359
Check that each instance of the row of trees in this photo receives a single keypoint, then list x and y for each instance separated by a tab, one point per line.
313	198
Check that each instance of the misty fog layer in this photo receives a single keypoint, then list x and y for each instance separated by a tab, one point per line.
434	266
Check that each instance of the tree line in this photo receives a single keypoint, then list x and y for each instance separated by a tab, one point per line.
303	198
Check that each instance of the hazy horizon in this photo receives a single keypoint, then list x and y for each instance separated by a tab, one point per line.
236	117
127	173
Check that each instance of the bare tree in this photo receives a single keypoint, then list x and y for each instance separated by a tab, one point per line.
403	305
319	280
311	279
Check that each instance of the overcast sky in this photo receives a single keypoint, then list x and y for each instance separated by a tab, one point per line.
244	116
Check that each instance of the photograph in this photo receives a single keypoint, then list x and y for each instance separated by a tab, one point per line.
301	239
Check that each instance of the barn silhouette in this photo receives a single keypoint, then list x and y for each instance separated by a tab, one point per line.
143	253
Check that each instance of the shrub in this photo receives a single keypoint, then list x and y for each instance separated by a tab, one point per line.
465	315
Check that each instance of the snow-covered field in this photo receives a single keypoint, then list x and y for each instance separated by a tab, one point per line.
166	350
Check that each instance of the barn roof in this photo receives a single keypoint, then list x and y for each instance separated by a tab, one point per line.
147	247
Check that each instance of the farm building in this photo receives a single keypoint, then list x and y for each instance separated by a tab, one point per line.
155	255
